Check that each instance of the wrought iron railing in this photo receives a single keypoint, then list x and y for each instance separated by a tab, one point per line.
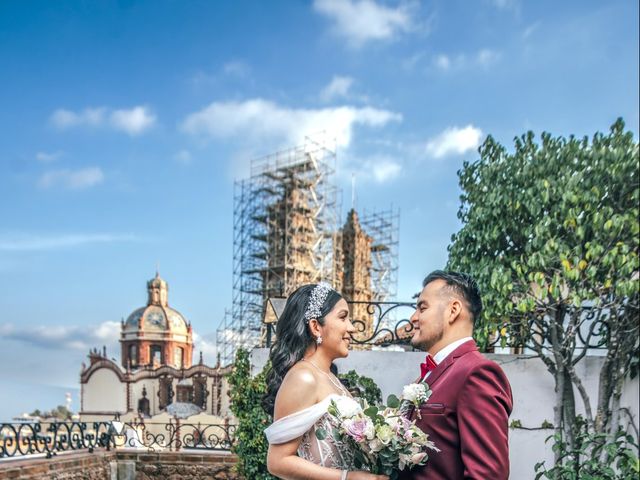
18	439
21	439
175	436
388	323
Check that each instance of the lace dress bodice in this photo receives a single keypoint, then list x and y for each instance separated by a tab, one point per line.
329	452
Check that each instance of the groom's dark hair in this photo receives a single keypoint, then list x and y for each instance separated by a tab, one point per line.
463	285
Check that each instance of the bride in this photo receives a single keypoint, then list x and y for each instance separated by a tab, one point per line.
313	330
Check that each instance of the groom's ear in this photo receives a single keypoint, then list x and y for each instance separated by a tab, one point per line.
455	309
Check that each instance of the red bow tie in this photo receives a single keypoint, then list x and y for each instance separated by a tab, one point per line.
428	365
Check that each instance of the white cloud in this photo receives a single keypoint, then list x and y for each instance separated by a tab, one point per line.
454	141
261	119
338	87
377	168
72	179
183	157
59	337
30	242
530	30
236	68
411	62
207	345
385	171
45	157
443	62
506	4
360	21
64	119
133	121
486	57
483	58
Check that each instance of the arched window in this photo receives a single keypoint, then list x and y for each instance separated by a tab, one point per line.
133	355
178	357
156	355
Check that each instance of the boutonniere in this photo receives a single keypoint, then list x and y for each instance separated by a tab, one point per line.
414	395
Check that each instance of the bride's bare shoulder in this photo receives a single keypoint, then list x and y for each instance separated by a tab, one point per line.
298	391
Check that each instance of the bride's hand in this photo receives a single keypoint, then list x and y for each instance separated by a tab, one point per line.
365	476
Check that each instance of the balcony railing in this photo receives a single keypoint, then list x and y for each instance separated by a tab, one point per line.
388	323
51	438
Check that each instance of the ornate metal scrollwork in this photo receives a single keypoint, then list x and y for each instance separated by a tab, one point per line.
21	439
385	328
18	439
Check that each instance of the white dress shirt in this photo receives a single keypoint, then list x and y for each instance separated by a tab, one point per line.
444	353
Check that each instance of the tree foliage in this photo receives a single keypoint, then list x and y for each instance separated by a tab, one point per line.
592	457
246	394
59	413
550	232
362	387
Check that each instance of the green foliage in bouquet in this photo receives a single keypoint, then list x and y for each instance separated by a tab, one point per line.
381	438
246	395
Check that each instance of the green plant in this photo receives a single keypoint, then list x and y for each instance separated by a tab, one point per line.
246	394
592	457
550	232
362	387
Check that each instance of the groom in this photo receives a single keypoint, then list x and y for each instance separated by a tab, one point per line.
467	414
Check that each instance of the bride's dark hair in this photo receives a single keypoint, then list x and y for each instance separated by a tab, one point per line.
293	337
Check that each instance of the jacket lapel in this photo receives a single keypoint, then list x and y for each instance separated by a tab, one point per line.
466	347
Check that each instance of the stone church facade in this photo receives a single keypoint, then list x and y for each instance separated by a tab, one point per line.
157	379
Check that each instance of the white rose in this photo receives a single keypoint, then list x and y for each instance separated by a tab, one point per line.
376	445
370	430
415	392
348	407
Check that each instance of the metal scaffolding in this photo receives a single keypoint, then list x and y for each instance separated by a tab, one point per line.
285	219
383	226
286	233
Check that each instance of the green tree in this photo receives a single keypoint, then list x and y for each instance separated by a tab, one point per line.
59	413
246	394
550	232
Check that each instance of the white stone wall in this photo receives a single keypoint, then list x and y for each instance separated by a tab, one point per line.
532	386
104	393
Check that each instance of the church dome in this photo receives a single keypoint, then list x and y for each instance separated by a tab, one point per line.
156	334
156	318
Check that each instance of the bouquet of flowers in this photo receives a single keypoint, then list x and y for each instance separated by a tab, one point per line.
383	439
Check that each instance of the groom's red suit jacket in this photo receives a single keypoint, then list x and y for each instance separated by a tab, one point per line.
467	418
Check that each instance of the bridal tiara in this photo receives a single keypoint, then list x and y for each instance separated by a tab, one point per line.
316	301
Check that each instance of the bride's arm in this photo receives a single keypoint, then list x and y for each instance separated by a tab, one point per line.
283	462
298	391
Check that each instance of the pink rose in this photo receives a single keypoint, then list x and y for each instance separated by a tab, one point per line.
357	429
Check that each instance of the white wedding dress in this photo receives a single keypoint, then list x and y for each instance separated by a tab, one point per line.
329	452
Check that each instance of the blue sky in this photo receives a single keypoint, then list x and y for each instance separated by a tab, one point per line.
124	124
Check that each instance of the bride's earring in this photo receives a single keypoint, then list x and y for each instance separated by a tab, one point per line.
319	340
